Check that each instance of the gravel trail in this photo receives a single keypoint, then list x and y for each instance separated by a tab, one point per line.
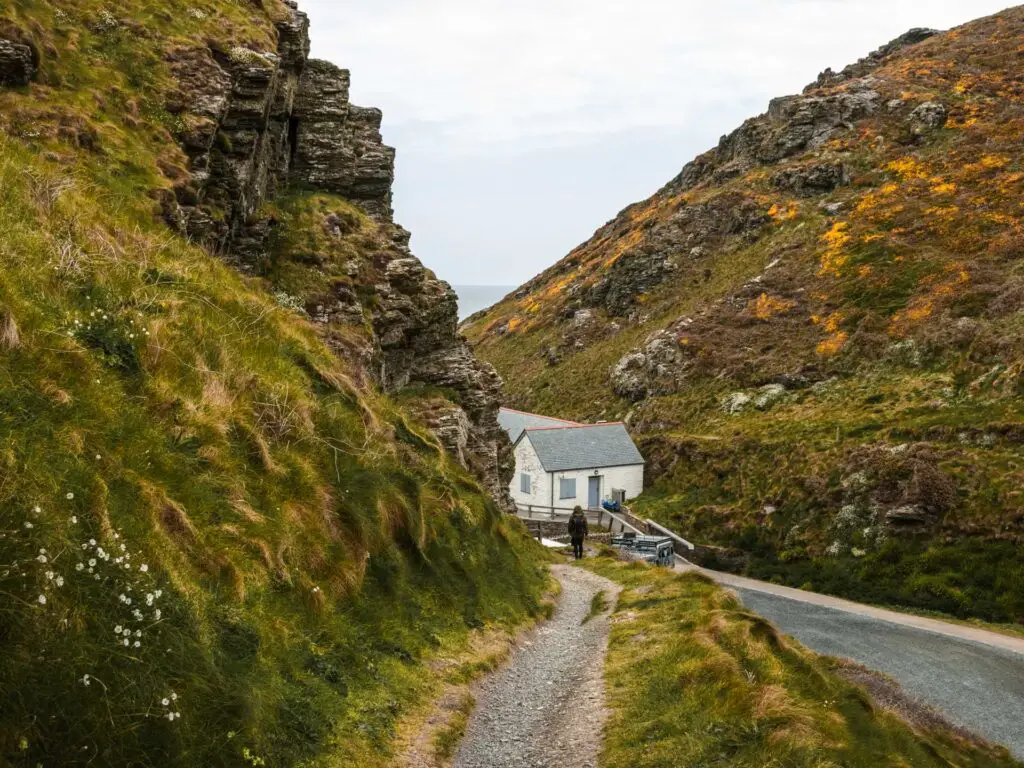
545	707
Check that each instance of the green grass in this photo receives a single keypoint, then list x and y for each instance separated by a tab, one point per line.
697	680
446	741
312	545
598	605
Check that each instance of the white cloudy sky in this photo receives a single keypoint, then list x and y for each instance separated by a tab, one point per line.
523	126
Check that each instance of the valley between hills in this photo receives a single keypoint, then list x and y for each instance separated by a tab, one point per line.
254	495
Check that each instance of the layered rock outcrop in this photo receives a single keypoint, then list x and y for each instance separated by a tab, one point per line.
257	122
17	63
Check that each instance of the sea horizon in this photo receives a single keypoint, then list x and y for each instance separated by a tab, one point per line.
473	298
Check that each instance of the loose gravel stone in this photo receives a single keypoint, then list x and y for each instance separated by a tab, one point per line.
545	708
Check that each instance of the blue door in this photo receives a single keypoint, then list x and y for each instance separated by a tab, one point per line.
594	492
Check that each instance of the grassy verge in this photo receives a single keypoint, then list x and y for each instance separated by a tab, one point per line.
430	735
220	545
598	605
700	681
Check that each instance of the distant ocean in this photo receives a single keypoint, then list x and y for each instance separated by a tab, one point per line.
473	298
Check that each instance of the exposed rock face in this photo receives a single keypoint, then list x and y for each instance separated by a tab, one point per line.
874	59
257	121
815	179
236	107
792	124
338	147
930	114
17	63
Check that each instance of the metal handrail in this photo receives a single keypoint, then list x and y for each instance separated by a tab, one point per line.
597	515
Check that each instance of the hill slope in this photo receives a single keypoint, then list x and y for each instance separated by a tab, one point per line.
230	532
815	331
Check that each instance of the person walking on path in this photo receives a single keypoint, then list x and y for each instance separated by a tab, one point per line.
578	531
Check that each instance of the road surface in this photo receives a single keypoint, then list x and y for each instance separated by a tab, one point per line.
975	678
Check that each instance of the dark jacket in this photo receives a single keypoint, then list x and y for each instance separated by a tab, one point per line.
578	526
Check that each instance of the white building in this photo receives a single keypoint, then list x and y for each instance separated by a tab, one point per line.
563	463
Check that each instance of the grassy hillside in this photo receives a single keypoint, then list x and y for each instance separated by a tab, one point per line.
219	544
815	331
697	680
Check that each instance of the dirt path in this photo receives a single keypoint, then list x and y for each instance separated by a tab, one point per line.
545	708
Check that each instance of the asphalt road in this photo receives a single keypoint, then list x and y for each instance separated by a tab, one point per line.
975	685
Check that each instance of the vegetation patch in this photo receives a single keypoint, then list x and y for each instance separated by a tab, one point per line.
698	680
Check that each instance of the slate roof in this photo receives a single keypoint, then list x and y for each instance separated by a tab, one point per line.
583	446
514	422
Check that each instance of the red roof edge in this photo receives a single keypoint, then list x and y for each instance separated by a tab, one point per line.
573	425
541	416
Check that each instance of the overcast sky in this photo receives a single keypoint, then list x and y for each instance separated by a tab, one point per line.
523	126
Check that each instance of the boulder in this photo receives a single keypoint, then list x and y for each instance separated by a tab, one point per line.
17	63
930	114
814	179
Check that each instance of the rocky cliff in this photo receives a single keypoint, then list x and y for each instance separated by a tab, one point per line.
259	125
813	328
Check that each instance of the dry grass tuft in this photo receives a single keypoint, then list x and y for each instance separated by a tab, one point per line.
9	336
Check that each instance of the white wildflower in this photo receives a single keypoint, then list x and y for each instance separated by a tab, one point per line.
156	614
143	567
92	561
42	550
85	679
174	696
80	566
158	594
59	581
166	702
138	633
137	643
69	496
92	542
74	519
49	575
41	558
117	629
28	524
37	509
42	599
127	642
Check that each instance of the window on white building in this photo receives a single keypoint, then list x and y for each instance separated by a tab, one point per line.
524	482
567	488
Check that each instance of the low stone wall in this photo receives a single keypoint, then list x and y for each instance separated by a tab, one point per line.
557	529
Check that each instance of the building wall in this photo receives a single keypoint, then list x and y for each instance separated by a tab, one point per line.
630	478
540	481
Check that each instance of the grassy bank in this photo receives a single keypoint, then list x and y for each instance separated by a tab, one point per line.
220	544
699	681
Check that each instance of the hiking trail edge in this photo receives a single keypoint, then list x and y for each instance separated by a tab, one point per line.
546	706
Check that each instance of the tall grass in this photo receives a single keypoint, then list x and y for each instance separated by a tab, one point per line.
694	679
306	544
